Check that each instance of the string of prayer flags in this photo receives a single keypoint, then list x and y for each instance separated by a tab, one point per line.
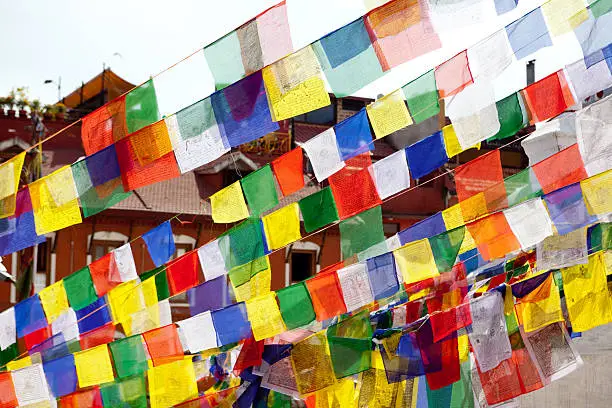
567	209
353	188
131	391
355	286
426	155
361	232
289	171
172	383
210	295
294	85
242	111
348	58
282	227
401	30
326	295
195	135
318	209
597	191
416	261
528	34
254	45
265	316
391	174
231	324
593	136
586	294
353	135
592	34
312	364
560	170
259	190
93	366
212	261
295	305
54	201
228	204
453	75
19	231
129	356
388	114
160	243
324	154
199	332
10	174
493	236
548	97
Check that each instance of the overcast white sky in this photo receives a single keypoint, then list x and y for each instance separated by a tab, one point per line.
73	38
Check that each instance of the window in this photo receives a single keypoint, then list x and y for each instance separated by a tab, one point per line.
322	116
354	105
302	265
181	249
230	176
100	248
43	255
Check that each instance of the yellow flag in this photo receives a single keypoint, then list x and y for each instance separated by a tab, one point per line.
563	16
597	191
282	227
312	364
125	300
265	317
170	384
416	261
54	300
451	142
474	207
294	85
54	201
464	348
149	291
541	307
17	364
389	114
453	218
586	292
10	173
93	366
228	205
258	285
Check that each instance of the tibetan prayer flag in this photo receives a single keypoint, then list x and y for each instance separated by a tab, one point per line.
98	181
350	345
29	316
61	375
355	286
160	243
129	356
242	111
416	261
135	175
559	251
18	231
295	305
541	307
529	222
159	281
252	279
324	154
593	34
567	209
563	16
196	139
198	332
289	171
151	143
93	316
80	289
560	169
382	275
231	324
586	292
353	135
391	174
453	217
594	138
172	383
493	236
93	366
141	107
588	80
8	334
8	398
282	227
259	190
548	97
274	33
510	116
597	191
245	243
127	299
426	228
212	259
445	248
451	142
361	231
528	34
422	97
354	190
54	201
10	174
312	364
294	85
453	75
130	392
401	30
318	209
182	273
490	57
348	58
326	295
228	205
163	345
388	114
265	316
426	155
30	385
104	274
210	295
481	175
105	126
522	186
54	300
